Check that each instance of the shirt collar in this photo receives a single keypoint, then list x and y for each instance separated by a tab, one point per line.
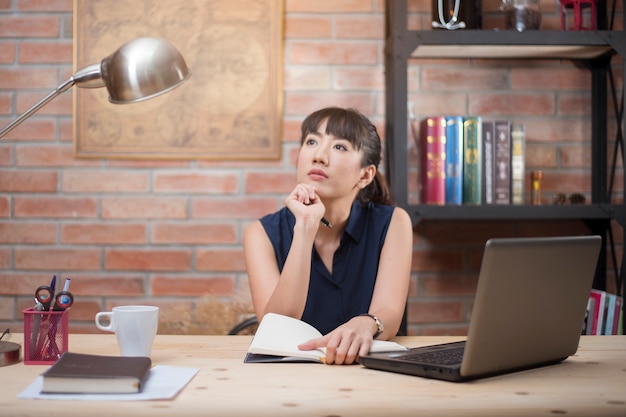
356	226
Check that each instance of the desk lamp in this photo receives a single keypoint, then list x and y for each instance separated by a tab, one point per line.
140	69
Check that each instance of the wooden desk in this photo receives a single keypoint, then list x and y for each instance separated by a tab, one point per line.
592	384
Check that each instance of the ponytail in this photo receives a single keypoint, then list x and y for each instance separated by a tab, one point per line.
376	192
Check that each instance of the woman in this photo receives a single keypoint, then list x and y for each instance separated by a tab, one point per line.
338	255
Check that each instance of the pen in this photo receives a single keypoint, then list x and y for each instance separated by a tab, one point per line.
324	221
66	287
53	283
34	335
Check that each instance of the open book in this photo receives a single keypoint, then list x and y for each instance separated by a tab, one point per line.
277	339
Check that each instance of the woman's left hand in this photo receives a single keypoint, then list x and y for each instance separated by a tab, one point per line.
346	343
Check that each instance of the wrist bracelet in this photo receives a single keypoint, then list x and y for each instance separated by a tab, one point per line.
379	324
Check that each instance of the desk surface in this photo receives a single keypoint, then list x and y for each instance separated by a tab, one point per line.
590	383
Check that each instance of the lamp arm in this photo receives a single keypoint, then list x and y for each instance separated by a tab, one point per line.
60	89
88	77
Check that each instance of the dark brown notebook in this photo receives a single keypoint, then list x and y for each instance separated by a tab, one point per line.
78	373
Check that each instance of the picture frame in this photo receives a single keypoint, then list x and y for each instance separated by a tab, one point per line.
229	109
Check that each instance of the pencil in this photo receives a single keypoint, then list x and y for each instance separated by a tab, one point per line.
326	223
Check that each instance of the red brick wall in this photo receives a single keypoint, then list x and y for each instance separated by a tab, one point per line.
169	232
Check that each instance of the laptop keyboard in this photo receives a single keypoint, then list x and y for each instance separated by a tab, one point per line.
451	356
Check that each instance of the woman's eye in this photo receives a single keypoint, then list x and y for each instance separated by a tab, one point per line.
341	147
310	142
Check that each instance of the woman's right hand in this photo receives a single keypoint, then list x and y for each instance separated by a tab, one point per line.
305	204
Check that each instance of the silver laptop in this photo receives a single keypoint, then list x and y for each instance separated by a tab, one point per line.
528	312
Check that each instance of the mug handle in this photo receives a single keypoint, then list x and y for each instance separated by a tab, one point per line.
108	314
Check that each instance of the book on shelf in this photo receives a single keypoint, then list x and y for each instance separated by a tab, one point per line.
77	373
518	139
278	336
502	170
472	160
610	316
454	160
599	298
617	324
478	161
604	312
488	160
620	322
588	323
432	150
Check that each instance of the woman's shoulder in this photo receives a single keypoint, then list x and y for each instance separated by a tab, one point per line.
400	215
278	221
378	210
281	215
389	214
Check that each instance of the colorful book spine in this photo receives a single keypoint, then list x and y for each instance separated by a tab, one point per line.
503	162
611	299
617	322
518	139
472	160
454	160
433	160
598	311
589	318
489	154
620	322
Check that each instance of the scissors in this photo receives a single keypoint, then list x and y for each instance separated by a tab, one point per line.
45	294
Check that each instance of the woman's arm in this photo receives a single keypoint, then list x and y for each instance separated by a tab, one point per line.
283	293
272	291
394	270
353	339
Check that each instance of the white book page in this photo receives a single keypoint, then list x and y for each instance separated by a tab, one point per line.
281	335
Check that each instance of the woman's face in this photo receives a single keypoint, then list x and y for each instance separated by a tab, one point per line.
331	164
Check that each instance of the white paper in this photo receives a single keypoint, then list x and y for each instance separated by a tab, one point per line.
164	383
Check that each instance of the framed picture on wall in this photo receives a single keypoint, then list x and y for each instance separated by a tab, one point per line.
230	108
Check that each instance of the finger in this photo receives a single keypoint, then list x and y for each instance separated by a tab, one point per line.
308	345
347	355
298	194
316	343
330	355
363	350
339	350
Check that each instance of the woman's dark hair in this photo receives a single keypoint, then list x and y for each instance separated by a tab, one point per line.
352	125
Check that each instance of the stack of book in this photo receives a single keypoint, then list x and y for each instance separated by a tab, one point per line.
604	314
468	160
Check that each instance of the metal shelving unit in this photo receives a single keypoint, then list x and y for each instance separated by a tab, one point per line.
594	49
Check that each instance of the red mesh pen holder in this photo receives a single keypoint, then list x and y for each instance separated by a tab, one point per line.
45	336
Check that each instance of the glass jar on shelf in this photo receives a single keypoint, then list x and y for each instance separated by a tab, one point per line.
521	15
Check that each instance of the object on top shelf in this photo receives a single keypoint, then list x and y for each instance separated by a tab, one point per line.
456	14
535	187
578	14
521	15
575	198
518	146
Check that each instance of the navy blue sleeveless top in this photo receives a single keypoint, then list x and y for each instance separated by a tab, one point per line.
335	298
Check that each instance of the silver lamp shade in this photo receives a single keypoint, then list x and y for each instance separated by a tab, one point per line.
142	69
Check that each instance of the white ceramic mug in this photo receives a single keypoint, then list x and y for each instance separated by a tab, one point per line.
134	326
